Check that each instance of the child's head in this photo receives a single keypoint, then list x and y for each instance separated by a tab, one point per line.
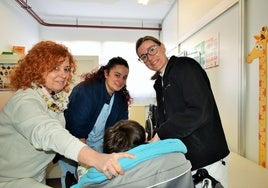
124	135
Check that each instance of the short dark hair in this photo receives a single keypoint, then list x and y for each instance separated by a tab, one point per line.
122	136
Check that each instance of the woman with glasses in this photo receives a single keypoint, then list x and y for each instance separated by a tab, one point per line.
95	104
32	124
186	107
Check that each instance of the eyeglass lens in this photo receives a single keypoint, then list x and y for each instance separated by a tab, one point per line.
151	51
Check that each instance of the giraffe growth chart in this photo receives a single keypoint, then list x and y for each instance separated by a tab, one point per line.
260	51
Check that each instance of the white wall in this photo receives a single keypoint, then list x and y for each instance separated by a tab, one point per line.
224	78
93	34
256	17
17	28
169	33
190	12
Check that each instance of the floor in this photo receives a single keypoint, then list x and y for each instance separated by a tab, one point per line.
244	173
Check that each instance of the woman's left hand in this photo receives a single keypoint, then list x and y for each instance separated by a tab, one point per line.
155	138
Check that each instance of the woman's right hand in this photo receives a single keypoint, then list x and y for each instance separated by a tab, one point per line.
106	163
109	165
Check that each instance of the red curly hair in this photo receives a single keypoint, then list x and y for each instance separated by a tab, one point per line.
41	59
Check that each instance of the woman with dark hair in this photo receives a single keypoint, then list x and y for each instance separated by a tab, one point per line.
95	104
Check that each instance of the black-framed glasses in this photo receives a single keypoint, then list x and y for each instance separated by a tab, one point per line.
150	51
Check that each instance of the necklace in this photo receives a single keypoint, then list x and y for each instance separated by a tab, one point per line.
55	102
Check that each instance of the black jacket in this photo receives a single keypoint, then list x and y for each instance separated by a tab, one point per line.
187	110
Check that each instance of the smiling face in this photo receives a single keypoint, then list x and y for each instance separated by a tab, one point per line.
56	80
155	62
116	78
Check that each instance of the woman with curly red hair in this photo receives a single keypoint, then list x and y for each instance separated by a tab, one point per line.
32	124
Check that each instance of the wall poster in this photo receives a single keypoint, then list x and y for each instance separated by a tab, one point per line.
5	69
7	64
209	52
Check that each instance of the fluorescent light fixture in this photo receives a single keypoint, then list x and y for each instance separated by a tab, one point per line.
143	2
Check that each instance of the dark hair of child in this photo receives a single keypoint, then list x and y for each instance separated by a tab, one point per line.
123	136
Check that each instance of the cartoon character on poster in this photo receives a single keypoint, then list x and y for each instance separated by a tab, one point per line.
260	51
5	69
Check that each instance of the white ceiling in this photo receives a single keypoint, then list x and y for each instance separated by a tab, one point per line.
55	10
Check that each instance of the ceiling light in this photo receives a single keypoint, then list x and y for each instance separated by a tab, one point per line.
143	2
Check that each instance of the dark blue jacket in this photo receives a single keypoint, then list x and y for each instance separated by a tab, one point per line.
188	111
85	103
